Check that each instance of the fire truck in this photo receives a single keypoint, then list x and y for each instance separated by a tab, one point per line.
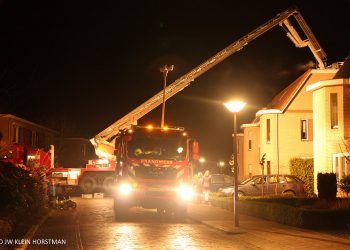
154	169
96	176
112	143
25	156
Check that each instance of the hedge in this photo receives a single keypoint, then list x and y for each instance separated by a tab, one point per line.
327	186
303	169
289	211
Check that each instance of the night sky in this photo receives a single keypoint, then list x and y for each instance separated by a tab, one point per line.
78	66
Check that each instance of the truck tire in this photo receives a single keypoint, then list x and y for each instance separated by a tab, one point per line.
87	184
108	183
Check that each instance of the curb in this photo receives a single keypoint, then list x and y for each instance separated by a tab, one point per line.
29	235
219	228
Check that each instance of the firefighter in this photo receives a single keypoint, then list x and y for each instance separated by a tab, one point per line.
198	185
206	185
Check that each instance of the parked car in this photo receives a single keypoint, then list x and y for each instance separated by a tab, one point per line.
220	181
272	184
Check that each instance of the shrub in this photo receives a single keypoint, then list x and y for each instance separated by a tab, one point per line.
327	186
345	185
303	169
22	190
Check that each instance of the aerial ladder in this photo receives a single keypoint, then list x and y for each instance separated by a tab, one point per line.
104	141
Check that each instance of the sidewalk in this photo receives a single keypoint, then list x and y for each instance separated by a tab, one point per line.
264	234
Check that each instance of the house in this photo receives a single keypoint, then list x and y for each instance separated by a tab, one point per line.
284	129
16	130
69	152
331	115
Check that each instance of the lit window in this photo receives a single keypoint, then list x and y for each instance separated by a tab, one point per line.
334	110
268	130
17	134
304	130
341	167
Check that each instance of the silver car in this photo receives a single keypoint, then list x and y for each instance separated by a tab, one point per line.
271	184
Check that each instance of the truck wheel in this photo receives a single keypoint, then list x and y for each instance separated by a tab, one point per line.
87	184
108	183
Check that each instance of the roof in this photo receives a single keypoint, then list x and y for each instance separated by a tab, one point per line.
344	71
285	97
28	122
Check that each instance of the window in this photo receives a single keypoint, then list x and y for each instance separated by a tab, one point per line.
17	134
290	179
341	167
304	130
250	141
260	180
273	179
334	110
34	139
268	130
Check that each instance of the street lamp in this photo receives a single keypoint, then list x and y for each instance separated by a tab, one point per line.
202	160
221	164
234	107
165	70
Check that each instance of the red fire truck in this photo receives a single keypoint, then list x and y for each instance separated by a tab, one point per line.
154	169
98	175
24	156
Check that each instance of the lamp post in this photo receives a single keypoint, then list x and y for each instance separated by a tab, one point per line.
221	165
165	70
202	160
234	107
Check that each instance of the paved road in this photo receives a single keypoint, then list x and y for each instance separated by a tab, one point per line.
92	226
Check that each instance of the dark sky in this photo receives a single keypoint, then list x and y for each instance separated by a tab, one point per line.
78	66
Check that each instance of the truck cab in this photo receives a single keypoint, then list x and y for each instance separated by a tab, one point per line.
154	169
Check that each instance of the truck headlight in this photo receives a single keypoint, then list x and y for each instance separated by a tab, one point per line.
125	189
184	192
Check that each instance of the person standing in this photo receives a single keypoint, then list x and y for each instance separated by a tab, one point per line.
206	185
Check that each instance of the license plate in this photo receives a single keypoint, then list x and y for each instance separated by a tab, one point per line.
154	189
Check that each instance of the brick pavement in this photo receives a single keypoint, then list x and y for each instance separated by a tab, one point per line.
265	234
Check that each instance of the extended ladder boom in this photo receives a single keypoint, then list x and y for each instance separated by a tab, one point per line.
107	135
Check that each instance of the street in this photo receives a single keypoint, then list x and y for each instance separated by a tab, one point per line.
92	226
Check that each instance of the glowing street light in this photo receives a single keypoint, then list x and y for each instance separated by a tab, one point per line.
234	107
221	166
165	70
201	160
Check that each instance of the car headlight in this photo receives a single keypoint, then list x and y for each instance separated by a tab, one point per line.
184	192
125	188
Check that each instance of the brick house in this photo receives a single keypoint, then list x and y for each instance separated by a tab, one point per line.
69	152
331	115
16	130
284	129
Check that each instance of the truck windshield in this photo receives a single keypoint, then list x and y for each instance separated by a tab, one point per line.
164	146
